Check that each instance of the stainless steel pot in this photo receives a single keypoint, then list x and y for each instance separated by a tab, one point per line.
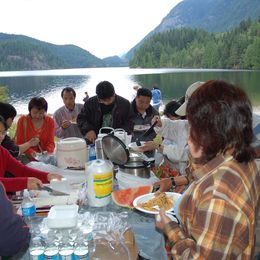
134	163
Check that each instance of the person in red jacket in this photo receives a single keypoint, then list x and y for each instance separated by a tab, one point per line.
25	177
36	125
14	234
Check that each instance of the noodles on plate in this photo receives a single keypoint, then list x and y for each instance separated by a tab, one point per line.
160	201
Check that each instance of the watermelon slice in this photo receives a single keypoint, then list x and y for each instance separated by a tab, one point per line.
125	198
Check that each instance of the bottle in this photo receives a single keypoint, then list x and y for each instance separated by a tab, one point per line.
28	207
65	249
36	249
81	251
92	152
51	250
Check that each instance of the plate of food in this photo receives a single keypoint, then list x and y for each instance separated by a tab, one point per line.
135	147
152	202
140	128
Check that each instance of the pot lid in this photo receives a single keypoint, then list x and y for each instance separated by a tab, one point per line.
115	149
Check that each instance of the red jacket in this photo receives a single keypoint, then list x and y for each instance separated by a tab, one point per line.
20	171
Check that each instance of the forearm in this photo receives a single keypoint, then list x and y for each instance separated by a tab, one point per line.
59	132
24	147
20	170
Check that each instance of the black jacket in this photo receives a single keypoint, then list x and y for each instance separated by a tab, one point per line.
139	120
90	117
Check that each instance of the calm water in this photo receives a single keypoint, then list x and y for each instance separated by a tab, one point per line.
22	86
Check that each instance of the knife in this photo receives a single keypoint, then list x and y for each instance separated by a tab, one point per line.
52	191
147	132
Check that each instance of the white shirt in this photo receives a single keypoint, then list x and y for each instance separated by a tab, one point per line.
175	133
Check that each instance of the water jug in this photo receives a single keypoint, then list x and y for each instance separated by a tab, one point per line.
99	182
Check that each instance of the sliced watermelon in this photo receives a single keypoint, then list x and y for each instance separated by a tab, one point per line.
125	198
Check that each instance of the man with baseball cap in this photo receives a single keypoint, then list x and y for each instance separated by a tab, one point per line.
106	109
181	111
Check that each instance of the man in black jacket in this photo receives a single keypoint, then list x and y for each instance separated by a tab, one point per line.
106	109
14	234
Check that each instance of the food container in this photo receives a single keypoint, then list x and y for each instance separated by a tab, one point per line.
62	216
71	152
133	163
99	182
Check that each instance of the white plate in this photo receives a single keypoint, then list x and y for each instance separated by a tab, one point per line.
135	147
141	127
146	197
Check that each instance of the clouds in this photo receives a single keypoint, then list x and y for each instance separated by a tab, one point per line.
103	27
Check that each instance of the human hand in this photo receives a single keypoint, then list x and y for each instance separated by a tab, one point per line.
65	124
164	184
158	119
56	176
33	183
34	141
162	219
91	136
148	146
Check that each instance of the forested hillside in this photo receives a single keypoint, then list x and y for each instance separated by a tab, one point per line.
209	15
18	52
196	48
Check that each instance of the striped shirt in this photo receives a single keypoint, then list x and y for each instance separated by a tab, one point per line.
63	114
217	212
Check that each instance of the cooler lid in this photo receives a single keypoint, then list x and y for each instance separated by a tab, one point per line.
115	149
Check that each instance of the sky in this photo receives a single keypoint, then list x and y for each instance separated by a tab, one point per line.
102	27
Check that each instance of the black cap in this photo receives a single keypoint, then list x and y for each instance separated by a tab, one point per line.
105	89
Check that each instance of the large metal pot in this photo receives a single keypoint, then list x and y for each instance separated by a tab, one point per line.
132	163
136	166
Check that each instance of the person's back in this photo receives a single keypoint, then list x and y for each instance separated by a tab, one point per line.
156	97
14	234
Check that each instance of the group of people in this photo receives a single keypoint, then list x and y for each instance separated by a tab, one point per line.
208	138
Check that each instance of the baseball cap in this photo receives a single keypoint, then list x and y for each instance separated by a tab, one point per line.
181	111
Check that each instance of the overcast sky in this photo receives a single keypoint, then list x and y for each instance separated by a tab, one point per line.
103	27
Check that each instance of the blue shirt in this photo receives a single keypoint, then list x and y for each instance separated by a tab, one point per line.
157	96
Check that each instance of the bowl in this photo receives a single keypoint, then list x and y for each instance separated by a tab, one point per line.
135	147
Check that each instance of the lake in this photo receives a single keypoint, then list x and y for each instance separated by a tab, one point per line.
23	85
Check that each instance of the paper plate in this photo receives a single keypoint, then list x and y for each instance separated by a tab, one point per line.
135	147
141	127
146	197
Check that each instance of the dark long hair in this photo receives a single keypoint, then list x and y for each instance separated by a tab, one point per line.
39	103
220	118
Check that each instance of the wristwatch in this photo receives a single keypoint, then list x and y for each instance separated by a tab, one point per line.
173	182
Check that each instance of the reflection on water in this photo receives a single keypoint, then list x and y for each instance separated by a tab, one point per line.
23	85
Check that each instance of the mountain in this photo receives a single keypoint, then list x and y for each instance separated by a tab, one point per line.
18	52
115	61
210	15
196	48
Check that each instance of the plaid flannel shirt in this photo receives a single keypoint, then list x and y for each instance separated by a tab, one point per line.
218	212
